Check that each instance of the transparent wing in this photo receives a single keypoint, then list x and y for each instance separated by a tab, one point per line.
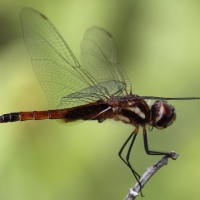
90	94
56	68
99	57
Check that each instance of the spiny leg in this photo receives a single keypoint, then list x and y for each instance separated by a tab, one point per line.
133	136
149	152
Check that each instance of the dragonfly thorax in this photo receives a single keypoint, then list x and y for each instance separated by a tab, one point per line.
129	110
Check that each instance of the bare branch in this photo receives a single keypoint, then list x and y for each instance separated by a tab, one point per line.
133	192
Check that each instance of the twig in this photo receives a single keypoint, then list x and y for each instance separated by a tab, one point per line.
133	192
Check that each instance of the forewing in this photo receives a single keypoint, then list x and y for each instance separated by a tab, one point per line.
99	57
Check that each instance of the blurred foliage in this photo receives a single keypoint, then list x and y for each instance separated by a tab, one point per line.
159	45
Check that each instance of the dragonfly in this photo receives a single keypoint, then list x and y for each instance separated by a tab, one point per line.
97	90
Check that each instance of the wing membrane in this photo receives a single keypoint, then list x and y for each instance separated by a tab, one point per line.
99	56
59	72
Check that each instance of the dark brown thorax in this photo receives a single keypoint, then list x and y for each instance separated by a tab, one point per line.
131	109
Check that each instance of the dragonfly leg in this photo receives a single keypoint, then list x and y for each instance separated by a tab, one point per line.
149	152
132	137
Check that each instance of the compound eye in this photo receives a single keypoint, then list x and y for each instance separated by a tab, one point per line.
164	114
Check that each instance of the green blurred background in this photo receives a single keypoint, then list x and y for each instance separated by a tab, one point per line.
159	46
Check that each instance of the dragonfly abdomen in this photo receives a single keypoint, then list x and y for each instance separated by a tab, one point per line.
11	117
32	115
95	111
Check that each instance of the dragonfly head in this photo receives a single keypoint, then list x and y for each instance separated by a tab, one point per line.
163	114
